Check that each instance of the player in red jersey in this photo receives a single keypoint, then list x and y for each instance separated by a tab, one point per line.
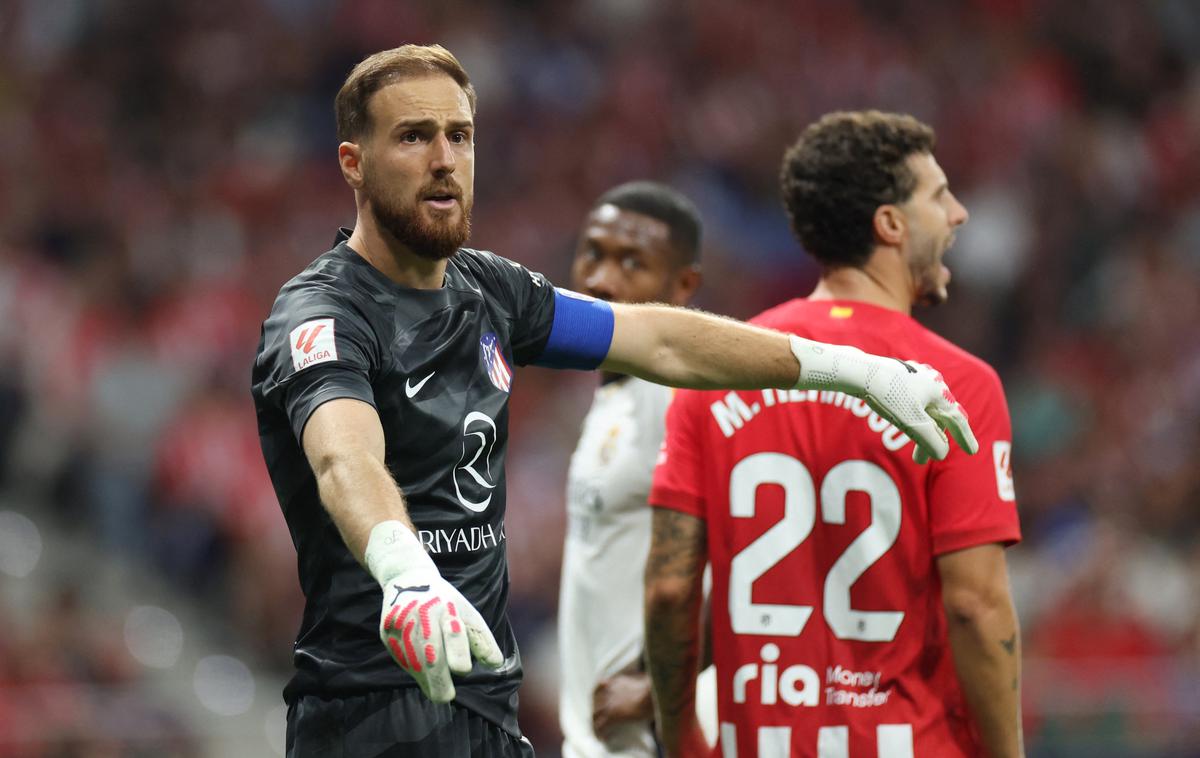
860	602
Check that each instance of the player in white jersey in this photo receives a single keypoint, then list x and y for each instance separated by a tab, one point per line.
639	243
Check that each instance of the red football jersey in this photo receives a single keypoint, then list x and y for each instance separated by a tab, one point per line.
829	633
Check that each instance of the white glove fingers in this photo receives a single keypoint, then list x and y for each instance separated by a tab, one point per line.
950	415
431	650
931	441
397	650
412	634
954	419
479	636
440	685
397	630
927	442
454	638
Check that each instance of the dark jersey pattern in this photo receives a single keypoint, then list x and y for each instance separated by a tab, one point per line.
436	365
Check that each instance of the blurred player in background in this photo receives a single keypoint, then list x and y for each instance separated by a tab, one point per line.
639	244
861	603
381	386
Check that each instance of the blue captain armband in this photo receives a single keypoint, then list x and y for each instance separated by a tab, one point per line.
581	333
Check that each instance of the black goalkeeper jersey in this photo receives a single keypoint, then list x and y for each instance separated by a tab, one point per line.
437	366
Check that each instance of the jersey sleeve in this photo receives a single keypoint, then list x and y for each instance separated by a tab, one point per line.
678	474
972	500
316	348
551	327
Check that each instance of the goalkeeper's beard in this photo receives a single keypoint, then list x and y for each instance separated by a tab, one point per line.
435	238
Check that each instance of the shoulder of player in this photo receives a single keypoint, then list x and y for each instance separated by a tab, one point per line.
485	263
482	271
954	360
970	377
324	278
329	287
781	315
958	365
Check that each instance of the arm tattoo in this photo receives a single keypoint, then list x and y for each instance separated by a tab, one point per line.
677	545
1010	644
677	551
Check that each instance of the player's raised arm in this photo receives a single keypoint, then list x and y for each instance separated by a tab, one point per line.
986	642
426	624
687	348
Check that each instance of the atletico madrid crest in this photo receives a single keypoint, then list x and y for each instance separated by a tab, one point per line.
498	369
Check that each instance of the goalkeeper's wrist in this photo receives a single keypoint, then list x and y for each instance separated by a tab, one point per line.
830	367
392	550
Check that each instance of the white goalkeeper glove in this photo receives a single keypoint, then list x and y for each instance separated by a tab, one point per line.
426	624
913	396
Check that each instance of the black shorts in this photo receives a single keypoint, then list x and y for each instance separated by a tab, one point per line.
400	723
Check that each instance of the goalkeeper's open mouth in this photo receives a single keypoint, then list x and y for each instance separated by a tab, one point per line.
441	202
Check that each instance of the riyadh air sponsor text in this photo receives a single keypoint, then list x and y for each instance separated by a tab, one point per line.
461	540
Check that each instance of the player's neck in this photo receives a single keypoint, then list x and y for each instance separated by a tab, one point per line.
393	258
865	285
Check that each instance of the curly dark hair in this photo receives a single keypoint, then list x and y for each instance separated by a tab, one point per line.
841	169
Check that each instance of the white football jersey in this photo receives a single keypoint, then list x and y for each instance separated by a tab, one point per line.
604	560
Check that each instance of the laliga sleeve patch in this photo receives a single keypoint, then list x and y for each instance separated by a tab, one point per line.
312	342
1002	458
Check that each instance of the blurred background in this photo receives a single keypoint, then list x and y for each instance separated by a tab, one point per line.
166	166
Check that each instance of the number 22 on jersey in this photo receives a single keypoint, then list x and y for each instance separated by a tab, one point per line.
799	517
846	623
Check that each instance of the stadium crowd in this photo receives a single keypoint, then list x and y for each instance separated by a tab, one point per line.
70	689
168	165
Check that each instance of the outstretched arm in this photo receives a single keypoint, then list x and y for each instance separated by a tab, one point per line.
986	641
682	347
674	570
688	348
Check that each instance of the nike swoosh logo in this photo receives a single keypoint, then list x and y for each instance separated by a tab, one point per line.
411	389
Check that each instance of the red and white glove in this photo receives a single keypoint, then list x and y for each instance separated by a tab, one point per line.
427	625
913	396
